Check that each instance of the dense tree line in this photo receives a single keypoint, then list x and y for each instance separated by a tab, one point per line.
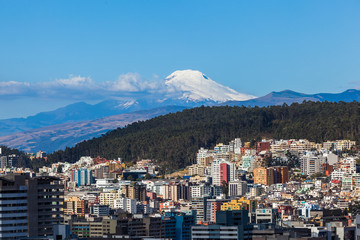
22	161
174	139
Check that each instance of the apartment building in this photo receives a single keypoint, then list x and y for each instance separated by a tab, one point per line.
30	206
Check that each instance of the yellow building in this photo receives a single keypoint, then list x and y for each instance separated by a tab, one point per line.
239	204
74	205
264	176
107	198
342	145
115	165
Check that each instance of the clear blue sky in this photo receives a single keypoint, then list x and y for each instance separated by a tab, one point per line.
254	47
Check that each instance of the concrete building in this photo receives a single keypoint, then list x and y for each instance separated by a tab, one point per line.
107	198
134	191
89	229
76	206
82	177
311	163
202	154
30	206
264	176
127	204
265	215
100	210
199	205
237	188
197	169
200	232
240	204
222	171
183	223
13	192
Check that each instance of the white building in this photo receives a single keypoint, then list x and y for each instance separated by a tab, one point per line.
127	204
222	170
202	153
311	163
200	190
107	198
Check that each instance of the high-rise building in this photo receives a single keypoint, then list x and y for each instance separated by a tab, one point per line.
12	160
237	188
30	206
311	163
135	191
237	145
82	177
127	204
271	175
46	203
199	204
222	170
212	208
264	176
76	206
93	229
107	198
3	161
200	232
281	174
13	191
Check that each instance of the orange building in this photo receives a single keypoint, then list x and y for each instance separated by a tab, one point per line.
264	176
271	175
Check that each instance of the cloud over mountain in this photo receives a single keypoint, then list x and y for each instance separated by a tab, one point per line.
186	85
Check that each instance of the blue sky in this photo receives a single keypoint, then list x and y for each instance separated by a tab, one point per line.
254	47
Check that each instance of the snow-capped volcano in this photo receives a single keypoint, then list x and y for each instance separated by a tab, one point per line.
196	86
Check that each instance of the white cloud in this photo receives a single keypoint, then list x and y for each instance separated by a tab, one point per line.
129	82
81	88
13	88
74	81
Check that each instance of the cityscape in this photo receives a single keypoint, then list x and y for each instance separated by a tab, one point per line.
286	189
179	120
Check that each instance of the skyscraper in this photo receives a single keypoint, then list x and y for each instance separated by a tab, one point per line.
30	206
222	170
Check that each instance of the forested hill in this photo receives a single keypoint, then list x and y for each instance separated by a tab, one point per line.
174	139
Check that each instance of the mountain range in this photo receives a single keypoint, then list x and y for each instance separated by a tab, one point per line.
289	97
53	130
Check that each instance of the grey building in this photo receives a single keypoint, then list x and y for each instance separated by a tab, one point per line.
29	206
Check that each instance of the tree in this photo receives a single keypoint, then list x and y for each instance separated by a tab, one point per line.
59	169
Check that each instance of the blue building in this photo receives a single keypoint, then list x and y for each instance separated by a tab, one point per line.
183	223
82	177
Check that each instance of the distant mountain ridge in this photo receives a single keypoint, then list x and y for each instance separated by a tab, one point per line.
55	137
289	97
